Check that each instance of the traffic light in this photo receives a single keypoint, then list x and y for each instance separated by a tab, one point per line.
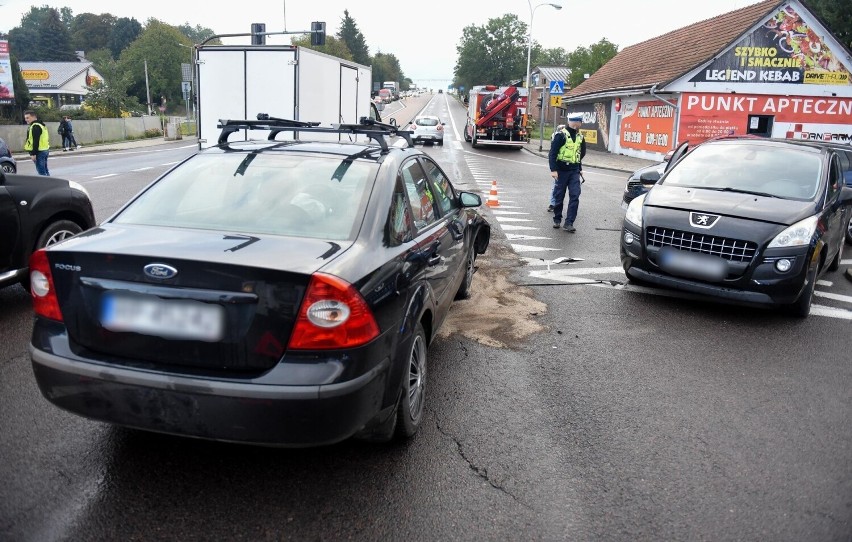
541	100
317	33
257	38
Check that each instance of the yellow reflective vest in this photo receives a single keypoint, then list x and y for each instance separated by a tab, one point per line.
43	140
570	151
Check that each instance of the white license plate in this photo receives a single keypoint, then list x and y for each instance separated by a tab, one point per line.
168	318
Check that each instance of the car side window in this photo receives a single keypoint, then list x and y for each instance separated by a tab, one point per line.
419	194
399	226
835	179
444	194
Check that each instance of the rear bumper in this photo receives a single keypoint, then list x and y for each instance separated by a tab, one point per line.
211	409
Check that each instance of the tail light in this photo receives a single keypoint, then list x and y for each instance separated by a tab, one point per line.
333	315
412	127
439	128
45	302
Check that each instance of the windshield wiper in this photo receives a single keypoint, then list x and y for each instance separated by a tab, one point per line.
740	191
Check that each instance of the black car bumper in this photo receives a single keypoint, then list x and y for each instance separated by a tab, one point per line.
217	409
757	283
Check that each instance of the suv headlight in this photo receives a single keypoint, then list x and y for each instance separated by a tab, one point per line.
634	210
797	235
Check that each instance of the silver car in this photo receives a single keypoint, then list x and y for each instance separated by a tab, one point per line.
7	162
427	128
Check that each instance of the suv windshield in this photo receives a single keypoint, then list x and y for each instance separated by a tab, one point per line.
271	192
757	169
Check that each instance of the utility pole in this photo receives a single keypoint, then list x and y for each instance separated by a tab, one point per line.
147	89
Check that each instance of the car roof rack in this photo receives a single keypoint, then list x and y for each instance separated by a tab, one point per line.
377	131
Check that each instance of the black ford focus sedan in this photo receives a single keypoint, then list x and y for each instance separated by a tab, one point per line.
747	221
269	292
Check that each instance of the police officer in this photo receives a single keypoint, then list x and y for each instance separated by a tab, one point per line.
38	142
566	153
553	189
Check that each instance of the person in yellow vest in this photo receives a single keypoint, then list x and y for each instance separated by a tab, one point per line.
566	154
38	142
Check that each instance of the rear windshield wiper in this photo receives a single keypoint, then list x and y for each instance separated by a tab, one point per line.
739	191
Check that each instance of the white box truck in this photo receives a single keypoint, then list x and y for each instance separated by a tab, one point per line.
284	81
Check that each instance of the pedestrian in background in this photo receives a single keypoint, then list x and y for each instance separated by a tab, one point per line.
66	130
38	142
553	189
566	154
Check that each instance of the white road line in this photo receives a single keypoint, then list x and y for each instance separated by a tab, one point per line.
836	297
142	169
502	219
499	212
531	248
512	227
831	312
105	176
521	237
560	271
845	262
826	283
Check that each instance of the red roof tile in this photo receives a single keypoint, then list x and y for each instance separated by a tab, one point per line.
665	58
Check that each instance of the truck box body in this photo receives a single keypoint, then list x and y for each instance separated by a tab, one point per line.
284	81
497	116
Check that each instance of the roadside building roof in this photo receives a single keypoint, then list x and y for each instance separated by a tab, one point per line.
663	59
554	73
52	74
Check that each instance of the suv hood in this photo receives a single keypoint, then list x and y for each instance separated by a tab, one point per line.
765	209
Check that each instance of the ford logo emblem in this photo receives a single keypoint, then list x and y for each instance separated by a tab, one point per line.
160	271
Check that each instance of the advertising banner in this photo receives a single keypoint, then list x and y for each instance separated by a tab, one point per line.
7	88
709	115
595	128
647	126
783	50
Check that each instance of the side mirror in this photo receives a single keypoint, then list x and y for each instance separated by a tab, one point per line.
649	177
846	195
393	122
469	199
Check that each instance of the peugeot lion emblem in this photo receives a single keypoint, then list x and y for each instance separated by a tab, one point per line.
160	271
703	220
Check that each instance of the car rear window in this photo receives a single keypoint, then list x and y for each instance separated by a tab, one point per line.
263	193
427	122
781	172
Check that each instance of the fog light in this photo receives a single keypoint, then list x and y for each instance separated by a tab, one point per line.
783	265
628	238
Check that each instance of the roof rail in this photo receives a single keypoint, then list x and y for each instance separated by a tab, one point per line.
375	130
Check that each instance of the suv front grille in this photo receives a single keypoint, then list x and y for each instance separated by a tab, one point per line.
733	250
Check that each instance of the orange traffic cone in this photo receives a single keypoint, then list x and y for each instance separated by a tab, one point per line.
492	196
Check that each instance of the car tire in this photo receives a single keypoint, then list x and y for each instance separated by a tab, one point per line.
802	306
53	233
835	263
473	141
9	168
467	281
466	135
441	142
412	400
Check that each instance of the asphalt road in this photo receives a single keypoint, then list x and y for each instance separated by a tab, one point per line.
589	410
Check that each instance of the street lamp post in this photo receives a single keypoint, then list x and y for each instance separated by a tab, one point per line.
529	46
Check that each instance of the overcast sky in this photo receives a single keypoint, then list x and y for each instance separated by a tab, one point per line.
422	35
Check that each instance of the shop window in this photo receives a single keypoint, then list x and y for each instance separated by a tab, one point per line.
760	125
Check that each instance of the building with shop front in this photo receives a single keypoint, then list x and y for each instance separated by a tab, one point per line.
771	69
54	84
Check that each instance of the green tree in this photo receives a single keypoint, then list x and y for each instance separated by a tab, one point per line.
495	53
386	68
42	36
333	46
159	46
108	98
90	31
197	34
124	32
15	112
588	60
354	40
550	57
837	15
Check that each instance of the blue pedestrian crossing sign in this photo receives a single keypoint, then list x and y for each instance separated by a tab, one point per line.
557	87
